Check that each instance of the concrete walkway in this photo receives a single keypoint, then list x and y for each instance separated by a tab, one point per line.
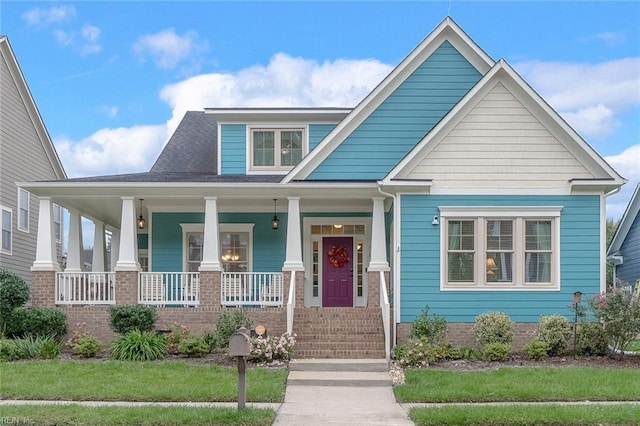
340	392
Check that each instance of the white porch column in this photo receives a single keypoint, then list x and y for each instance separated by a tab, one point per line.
98	261
293	261
75	254
378	240
45	243
128	238
211	248
115	248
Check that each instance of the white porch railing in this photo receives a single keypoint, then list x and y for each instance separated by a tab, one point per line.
386	315
85	288
251	289
291	303
169	288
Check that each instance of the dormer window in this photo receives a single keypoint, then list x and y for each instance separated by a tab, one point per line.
276	149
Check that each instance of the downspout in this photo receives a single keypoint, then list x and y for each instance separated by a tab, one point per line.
396	264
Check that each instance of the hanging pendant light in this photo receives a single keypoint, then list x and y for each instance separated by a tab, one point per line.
141	222
275	221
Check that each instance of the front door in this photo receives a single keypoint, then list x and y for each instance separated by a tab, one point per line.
337	271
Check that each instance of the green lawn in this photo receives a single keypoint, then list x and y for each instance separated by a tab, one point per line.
136	381
521	384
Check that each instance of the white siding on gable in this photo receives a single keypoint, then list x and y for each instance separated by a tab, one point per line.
499	146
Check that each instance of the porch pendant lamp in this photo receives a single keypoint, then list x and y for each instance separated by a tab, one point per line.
141	222
275	221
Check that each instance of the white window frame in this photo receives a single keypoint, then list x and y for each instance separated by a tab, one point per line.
24	227
277	168
57	224
2	229
222	228
519	216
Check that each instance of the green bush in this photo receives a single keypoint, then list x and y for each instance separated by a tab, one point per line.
554	330
87	347
44	322
431	327
193	347
421	352
619	313
496	351
493	327
228	324
14	292
138	345
7	350
49	348
591	339
536	349
126	318
36	347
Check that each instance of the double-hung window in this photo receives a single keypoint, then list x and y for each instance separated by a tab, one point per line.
500	248
7	236
23	210
57	222
276	149
235	246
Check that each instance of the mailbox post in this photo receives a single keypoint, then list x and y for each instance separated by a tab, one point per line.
240	347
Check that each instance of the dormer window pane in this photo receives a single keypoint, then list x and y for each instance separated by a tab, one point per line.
263	148
276	149
290	148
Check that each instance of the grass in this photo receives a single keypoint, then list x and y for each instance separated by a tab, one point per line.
79	415
520	384
136	381
539	415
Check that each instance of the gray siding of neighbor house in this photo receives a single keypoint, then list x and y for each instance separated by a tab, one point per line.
22	158
629	271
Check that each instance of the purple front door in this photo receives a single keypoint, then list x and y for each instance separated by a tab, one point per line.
337	272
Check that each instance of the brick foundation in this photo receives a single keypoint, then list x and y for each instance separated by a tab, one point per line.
43	289
126	291
462	335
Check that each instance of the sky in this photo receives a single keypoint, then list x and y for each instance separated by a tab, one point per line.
113	79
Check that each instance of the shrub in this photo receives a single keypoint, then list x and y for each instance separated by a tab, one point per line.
536	349
193	347
49	348
14	292
125	318
82	343
138	345
494	327
432	327
267	349
7	350
228	324
36	347
591	339
421	352
496	351
554	330
44	322
619	313
177	333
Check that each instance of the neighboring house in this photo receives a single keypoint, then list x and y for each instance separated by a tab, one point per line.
26	153
624	250
453	184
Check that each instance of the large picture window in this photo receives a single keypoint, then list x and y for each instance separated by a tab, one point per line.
235	247
500	248
276	149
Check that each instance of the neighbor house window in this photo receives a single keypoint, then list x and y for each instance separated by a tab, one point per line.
500	248
23	210
235	246
6	230
57	222
276	149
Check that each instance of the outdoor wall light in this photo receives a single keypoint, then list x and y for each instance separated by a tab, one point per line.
435	221
275	221
141	222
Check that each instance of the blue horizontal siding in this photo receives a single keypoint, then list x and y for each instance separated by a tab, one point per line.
233	143
403	119
420	260
629	271
268	245
317	132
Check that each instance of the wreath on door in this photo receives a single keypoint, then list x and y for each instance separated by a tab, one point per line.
338	256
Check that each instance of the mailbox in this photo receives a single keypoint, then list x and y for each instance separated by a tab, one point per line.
239	344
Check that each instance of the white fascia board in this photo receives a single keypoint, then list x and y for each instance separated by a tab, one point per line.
447	30
270	115
630	214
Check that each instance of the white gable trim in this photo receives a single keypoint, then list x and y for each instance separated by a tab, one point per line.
447	30
607	177
630	214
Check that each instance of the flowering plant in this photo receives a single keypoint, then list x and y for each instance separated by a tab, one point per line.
338	256
82	342
177	333
267	349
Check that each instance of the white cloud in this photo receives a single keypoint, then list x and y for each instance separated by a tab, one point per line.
168	49
627	164
112	151
90	35
52	15
611	38
285	82
589	96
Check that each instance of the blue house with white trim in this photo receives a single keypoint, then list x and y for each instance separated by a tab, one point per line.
453	184
624	250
